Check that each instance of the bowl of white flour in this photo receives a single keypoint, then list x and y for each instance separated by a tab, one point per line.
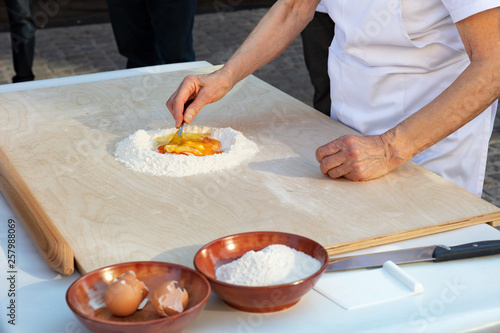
262	271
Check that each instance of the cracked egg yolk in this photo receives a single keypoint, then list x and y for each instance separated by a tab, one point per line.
197	144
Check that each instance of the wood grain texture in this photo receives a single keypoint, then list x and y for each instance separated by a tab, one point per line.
61	141
47	239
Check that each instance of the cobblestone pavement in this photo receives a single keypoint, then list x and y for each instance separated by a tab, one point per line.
91	48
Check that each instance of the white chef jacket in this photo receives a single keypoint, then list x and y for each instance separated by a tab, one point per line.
389	58
321	8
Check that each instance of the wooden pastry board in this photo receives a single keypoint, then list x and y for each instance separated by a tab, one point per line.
58	170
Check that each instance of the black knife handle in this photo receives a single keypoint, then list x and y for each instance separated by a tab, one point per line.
464	251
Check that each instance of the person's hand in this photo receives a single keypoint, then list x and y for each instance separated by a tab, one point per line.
358	158
202	90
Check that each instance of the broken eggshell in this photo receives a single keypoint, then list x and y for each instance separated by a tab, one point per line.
125	294
170	298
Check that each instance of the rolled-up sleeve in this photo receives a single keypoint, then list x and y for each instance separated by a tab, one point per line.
461	9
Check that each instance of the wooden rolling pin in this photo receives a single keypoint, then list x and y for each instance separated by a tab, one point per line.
49	242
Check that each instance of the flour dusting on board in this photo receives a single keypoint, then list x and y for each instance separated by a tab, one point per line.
138	152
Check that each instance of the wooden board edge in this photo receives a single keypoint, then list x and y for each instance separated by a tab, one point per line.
47	239
79	268
494	224
490	218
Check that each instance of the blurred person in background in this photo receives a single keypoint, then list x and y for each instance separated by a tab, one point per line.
153	32
22	36
316	39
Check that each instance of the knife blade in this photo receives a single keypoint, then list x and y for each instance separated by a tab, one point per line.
435	253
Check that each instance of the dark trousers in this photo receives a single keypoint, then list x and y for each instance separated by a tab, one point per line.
316	38
22	36
153	32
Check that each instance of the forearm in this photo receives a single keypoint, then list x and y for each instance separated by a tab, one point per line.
274	33
473	91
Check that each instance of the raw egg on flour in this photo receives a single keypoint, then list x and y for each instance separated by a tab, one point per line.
196	144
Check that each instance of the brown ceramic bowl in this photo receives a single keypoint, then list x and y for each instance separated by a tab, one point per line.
257	299
85	297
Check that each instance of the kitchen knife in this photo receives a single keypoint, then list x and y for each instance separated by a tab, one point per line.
435	253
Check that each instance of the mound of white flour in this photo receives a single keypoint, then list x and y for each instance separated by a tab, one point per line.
138	152
273	265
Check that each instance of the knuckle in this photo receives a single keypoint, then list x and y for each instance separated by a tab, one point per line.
354	154
324	167
320	154
333	174
349	139
190	77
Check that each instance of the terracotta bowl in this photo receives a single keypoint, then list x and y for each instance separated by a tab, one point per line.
85	297
257	299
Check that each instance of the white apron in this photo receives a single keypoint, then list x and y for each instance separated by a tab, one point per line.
389	58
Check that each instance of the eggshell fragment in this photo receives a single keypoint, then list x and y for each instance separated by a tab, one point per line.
170	298
125	294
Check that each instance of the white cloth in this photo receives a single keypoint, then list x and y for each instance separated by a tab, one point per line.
321	7
390	58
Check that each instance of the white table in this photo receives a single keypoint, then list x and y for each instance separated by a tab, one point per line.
460	296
